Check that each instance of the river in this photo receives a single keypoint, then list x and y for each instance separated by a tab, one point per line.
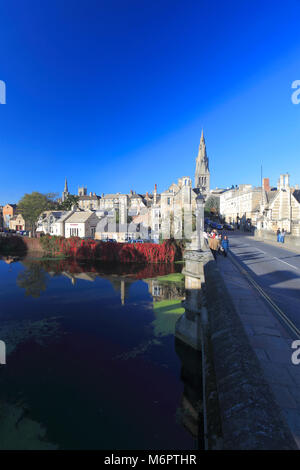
91	358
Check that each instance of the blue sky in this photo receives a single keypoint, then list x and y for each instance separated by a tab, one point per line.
113	94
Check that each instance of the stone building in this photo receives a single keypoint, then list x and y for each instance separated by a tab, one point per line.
91	202
280	208
8	211
17	222
53	222
240	204
177	203
81	224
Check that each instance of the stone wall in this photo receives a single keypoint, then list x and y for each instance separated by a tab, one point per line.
33	244
290	241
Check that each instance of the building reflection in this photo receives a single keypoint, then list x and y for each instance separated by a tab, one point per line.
161	290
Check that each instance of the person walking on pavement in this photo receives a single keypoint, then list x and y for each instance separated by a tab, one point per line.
205	236
214	245
225	245
278	234
282	235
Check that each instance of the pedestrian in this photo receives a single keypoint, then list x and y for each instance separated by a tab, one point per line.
278	234
214	245
225	245
205	236
282	235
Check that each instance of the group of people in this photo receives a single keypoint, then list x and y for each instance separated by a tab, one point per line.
280	235
216	242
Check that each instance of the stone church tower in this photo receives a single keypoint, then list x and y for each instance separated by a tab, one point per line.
65	191
202	175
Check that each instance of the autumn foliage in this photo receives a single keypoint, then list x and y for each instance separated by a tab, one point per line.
75	247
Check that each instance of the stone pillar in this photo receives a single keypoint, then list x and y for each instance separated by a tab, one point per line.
189	324
197	237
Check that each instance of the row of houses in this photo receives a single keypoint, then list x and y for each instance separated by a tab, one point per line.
265	207
9	218
88	224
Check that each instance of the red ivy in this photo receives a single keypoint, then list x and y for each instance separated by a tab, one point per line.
75	247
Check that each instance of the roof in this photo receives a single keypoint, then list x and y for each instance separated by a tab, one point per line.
271	196
80	216
88	198
64	216
112	196
135	196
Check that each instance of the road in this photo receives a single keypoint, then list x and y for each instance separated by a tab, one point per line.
275	269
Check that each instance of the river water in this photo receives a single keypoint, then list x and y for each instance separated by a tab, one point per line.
91	358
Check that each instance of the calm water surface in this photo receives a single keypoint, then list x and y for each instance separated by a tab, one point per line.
91	359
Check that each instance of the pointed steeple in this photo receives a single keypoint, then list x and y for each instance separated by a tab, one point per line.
66	186
202	160
202	175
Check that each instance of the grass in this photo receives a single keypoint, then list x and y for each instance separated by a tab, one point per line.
174	277
46	258
170	307
166	314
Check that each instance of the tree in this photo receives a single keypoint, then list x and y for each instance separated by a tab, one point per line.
212	205
70	201
32	205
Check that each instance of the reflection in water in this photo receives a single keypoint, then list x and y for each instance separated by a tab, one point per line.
91	355
33	279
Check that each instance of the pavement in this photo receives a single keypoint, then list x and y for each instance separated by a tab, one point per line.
263	280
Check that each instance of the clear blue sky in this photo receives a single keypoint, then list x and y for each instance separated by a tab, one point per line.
113	94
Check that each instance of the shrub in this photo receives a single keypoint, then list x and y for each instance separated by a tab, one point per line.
75	247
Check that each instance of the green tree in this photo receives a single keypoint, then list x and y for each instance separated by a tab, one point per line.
70	201
212	204
32	205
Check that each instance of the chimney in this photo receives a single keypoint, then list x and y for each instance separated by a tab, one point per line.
155	194
266	184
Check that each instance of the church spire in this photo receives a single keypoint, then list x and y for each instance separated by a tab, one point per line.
202	137
65	192
202	175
